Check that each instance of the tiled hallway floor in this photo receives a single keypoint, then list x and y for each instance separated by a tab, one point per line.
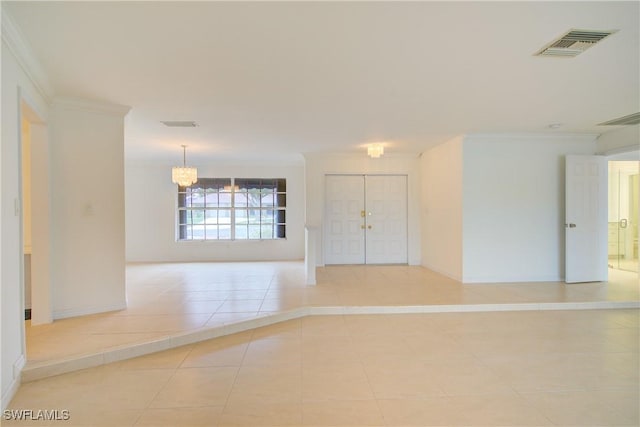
169	299
535	368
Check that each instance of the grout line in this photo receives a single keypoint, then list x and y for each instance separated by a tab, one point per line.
39	370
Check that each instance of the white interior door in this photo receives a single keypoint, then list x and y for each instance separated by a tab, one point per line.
586	219
386	219
366	219
344	222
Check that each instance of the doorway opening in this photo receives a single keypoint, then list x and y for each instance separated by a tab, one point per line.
26	212
35	224
623	214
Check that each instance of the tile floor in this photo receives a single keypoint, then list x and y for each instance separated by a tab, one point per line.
575	367
535	368
175	298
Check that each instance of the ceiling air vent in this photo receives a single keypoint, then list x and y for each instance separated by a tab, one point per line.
631	119
573	43
179	123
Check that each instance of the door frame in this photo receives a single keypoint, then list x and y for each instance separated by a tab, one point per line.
364	175
626	155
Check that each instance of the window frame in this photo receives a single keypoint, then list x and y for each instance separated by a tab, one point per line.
275	221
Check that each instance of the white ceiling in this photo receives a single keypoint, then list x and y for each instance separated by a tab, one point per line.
270	80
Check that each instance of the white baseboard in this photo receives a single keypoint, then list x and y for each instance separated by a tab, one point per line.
84	311
455	277
11	391
511	279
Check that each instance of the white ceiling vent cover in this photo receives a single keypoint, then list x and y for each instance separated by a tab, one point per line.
573	43
631	119
179	123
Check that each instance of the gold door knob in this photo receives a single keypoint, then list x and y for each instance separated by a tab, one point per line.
362	226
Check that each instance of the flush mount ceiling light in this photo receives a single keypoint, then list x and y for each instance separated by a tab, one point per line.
375	150
182	175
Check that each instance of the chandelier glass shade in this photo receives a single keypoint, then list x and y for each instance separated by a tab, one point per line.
183	175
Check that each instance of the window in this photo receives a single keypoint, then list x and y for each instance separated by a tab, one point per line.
232	209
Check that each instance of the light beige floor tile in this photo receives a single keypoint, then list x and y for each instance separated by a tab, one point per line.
579	409
623	402
247	294
240	306
506	410
154	323
273	351
495	410
251	413
202	307
102	389
193	387
281	383
585	356
403	380
181	417
86	415
342	413
206	296
323	325
280	304
125	389
215	354
374	348
321	349
226	318
335	381
466	379
437	348
181	289
424	412
22	419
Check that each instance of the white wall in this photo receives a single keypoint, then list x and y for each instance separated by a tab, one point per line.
513	213
15	84
318	165
88	228
441	208
151	201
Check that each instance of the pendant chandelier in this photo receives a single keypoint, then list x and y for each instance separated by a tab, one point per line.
182	175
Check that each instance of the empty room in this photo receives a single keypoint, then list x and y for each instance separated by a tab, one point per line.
320	213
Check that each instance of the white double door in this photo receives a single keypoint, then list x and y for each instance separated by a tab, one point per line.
366	219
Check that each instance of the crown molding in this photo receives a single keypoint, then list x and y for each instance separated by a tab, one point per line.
23	53
90	106
529	136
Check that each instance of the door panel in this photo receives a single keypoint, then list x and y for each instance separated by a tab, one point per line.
386	202
380	237
586	219
344	235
